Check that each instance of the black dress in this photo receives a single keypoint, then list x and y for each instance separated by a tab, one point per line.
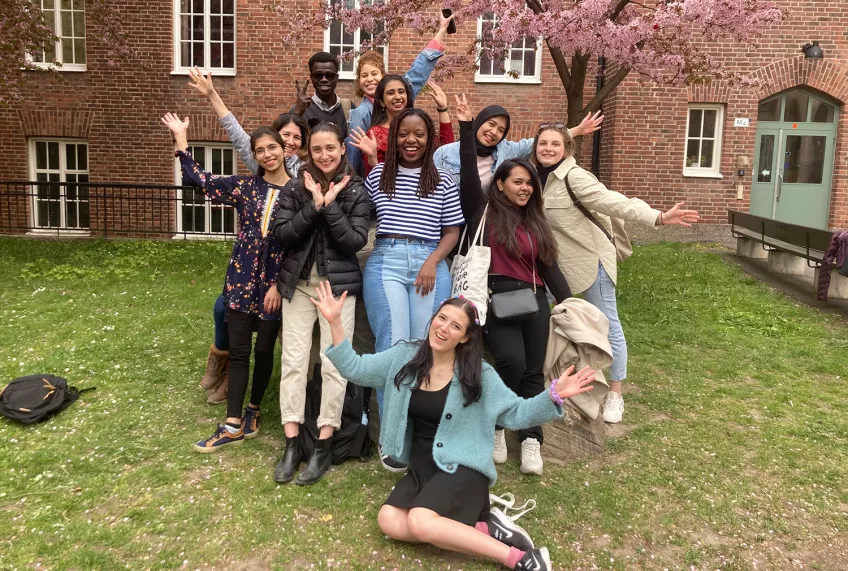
462	496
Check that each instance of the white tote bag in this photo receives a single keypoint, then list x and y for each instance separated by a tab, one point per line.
470	273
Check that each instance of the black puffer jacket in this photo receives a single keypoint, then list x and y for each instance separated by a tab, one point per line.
337	232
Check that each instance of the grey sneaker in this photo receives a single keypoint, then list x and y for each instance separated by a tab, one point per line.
613	408
531	457
499	455
502	528
535	560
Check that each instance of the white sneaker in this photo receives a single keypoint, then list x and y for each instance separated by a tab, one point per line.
613	408
499	455
531	457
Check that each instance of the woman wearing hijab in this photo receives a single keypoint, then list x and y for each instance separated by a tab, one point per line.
491	127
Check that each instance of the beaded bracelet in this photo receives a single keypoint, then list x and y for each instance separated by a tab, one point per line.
558	400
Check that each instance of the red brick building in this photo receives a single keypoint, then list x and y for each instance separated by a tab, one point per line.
100	123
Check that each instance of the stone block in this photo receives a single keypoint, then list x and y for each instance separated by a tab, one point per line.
750	248
838	284
787	264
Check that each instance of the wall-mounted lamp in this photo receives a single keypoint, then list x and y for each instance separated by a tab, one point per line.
812	51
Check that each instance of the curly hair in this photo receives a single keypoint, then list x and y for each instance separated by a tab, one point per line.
370	58
429	179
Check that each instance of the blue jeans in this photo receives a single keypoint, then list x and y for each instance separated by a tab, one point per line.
395	311
602	295
222	334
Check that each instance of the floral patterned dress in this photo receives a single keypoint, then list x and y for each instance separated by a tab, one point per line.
257	256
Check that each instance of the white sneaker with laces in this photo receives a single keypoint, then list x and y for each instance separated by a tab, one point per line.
531	457
613	408
499	455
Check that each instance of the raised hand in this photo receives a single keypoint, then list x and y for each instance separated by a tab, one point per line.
202	84
568	384
335	189
463	110
365	142
679	216
329	306
314	188
302	99
444	22
174	124
437	94
589	124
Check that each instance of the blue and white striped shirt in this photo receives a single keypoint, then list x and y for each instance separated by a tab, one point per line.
409	215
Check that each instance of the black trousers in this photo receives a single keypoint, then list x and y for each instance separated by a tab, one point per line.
519	348
241	327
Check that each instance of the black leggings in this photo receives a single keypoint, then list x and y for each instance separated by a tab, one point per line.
241	326
519	348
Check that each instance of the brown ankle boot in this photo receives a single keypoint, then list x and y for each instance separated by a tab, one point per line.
219	393
215	363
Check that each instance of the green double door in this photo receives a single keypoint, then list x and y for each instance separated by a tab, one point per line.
793	159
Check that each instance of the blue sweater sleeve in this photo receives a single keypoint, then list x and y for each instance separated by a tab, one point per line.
366	370
515	412
515	149
422	68
359	117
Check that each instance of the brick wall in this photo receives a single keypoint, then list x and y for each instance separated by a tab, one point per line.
117	109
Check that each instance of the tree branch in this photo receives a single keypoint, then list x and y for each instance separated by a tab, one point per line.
609	85
561	65
617	10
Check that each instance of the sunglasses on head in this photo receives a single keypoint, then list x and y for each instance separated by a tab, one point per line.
556	125
328	75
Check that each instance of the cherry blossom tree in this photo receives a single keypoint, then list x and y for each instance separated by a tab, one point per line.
23	31
661	40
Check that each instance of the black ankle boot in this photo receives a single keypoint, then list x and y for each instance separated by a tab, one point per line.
318	464
284	471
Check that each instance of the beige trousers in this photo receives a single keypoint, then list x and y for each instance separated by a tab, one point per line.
299	317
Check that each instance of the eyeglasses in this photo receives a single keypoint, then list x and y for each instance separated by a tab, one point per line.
556	125
328	75
262	151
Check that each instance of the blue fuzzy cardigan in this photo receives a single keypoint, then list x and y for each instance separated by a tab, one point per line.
466	434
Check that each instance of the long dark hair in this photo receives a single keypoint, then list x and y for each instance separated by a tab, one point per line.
274	134
310	166
284	119
378	117
468	360
430	178
503	216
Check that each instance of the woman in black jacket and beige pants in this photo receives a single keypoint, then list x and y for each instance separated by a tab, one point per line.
322	223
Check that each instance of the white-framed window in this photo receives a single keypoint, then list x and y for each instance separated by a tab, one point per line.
524	64
704	124
67	20
205	36
57	202
196	214
338	40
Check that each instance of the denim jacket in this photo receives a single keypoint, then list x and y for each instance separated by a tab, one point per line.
446	157
417	77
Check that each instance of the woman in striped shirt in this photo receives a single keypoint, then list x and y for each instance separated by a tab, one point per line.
418	221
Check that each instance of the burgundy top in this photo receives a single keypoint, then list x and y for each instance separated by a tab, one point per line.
505	264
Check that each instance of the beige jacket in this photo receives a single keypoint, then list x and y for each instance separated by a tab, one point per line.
580	243
578	336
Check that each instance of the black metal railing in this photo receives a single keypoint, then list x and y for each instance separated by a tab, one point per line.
111	210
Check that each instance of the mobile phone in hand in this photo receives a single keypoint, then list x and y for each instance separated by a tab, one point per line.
452	25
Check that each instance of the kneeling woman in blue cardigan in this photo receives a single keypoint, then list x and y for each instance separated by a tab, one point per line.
441	405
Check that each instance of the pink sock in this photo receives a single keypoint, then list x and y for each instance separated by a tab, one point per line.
482	527
513	558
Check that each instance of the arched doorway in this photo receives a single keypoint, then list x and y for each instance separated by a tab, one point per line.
793	158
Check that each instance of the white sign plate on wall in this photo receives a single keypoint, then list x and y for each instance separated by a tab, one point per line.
741	122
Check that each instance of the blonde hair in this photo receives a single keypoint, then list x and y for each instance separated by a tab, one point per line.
562	129
369	58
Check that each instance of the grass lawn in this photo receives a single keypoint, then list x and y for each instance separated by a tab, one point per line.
734	454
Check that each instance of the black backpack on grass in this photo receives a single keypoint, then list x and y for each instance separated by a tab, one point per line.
35	398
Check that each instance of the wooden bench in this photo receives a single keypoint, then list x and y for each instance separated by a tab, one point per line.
789	248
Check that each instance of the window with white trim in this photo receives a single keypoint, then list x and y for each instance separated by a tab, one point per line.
57	202
524	64
338	40
197	214
205	35
67	20
703	140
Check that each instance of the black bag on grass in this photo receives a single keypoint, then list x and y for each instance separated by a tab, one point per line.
351	439
35	398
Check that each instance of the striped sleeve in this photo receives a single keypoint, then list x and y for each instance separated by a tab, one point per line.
451	208
372	181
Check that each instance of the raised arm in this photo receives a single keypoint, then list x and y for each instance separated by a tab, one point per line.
471	195
426	61
223	190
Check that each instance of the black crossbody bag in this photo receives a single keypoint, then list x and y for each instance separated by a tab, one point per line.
519	304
